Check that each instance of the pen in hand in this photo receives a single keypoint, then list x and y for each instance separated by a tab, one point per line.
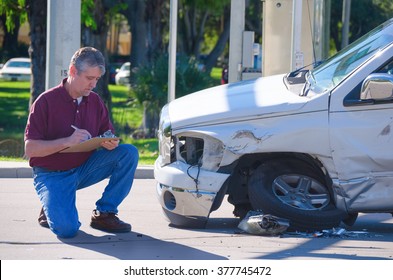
76	128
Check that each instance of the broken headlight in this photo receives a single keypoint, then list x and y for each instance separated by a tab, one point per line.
165	137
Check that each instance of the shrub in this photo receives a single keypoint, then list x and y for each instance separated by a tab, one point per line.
151	87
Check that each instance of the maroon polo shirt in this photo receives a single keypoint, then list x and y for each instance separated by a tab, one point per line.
51	117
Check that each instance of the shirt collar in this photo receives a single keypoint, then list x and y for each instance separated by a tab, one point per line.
66	96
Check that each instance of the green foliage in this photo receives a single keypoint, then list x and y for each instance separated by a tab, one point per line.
385	7
126	114
190	78
87	11
86	14
365	15
151	81
214	7
148	149
151	88
14	11
14	103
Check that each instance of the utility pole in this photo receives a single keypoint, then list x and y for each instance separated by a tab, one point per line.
297	56
345	19
172	50
236	40
63	38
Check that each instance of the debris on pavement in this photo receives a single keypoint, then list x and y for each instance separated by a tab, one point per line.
334	232
255	222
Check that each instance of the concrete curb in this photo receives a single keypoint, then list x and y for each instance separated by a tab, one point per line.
10	169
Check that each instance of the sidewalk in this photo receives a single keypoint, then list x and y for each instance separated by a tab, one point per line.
15	169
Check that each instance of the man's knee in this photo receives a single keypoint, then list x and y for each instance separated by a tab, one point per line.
65	229
130	151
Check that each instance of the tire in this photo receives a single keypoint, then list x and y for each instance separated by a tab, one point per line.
296	191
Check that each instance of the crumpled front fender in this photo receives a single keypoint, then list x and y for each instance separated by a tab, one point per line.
187	194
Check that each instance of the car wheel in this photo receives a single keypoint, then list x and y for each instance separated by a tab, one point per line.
296	191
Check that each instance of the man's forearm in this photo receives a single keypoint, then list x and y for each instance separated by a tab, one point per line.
42	148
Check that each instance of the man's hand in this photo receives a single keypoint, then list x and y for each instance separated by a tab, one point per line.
110	145
79	136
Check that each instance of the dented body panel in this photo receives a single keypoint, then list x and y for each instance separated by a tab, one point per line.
219	131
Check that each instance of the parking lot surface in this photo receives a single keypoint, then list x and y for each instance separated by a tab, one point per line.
151	238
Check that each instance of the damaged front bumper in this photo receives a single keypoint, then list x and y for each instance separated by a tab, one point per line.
187	193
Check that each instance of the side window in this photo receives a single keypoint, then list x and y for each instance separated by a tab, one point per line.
387	68
353	97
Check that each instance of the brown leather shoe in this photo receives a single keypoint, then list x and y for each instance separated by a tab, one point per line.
108	222
42	220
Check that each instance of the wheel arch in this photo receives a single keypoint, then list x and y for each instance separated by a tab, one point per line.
237	185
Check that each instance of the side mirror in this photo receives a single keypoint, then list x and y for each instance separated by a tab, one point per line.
377	86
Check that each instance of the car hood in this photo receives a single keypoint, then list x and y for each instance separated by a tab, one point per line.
238	101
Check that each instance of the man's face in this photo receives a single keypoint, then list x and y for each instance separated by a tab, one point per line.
83	83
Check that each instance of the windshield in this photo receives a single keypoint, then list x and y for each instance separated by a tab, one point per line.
19	64
330	73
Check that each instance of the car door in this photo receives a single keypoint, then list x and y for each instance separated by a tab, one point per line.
361	139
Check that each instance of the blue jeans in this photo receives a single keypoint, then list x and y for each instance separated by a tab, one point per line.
57	190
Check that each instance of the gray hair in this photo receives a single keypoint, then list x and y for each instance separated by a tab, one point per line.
88	57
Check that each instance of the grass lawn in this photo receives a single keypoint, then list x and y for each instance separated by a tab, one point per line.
14	104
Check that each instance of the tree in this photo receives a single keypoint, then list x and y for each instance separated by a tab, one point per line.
194	15
96	17
146	21
151	87
17	12
12	15
37	13
221	43
365	15
10	39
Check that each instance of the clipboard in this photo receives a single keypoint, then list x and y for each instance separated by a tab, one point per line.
88	145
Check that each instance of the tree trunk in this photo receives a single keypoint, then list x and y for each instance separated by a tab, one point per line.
10	40
150	119
154	28
137	21
220	45
37	13
145	19
97	38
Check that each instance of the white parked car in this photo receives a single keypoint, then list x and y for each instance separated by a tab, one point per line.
16	69
123	75
312	146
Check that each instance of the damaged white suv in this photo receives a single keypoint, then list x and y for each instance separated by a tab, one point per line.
312	146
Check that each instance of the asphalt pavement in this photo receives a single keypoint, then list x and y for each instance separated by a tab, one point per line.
152	238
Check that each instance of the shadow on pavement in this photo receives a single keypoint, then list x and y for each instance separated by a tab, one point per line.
368	234
136	246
